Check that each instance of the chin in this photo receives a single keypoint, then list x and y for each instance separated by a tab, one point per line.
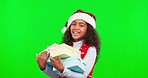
77	39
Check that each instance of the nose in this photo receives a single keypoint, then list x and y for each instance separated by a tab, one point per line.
76	26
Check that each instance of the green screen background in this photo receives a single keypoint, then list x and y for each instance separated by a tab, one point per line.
29	26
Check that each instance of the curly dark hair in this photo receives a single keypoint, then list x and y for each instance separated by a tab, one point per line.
91	38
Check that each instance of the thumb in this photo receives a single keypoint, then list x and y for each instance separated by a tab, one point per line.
52	59
37	57
59	60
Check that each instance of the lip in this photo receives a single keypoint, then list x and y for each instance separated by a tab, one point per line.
75	33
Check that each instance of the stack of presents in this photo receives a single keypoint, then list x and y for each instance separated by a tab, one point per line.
69	56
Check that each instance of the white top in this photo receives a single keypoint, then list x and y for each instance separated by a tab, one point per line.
89	59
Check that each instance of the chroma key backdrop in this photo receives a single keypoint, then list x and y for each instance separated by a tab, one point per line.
29	26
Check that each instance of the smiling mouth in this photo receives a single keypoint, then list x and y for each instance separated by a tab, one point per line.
75	33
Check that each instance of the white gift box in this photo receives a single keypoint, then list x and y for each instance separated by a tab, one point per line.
64	51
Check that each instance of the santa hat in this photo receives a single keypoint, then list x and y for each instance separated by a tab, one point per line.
79	14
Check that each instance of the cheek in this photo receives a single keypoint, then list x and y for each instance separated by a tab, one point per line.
84	31
70	29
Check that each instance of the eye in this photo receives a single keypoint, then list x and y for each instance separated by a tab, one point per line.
82	25
73	24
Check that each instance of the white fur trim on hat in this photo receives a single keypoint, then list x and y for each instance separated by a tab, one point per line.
87	18
64	30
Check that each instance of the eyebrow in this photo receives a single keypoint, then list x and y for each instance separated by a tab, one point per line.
82	23
79	22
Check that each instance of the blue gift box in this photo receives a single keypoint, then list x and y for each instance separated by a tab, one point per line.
75	64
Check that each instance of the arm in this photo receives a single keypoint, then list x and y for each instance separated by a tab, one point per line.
48	71
89	60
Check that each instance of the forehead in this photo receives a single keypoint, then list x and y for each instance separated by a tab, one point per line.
79	21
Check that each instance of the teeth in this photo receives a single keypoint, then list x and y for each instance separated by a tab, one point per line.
75	32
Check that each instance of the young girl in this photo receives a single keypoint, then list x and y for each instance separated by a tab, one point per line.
79	33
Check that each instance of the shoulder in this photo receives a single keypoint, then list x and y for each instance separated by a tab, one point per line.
91	50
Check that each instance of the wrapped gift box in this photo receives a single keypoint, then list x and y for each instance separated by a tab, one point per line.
70	57
75	64
64	51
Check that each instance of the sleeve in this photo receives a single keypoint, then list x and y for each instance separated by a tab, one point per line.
48	71
89	59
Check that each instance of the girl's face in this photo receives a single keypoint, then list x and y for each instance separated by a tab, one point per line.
78	29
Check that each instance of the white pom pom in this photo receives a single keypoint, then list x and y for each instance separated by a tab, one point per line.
64	30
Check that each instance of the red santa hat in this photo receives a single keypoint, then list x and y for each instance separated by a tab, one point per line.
79	14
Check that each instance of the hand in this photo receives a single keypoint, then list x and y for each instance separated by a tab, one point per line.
57	63
41	60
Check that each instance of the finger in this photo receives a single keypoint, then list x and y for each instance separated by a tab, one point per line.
37	56
43	54
48	54
59	60
52	59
